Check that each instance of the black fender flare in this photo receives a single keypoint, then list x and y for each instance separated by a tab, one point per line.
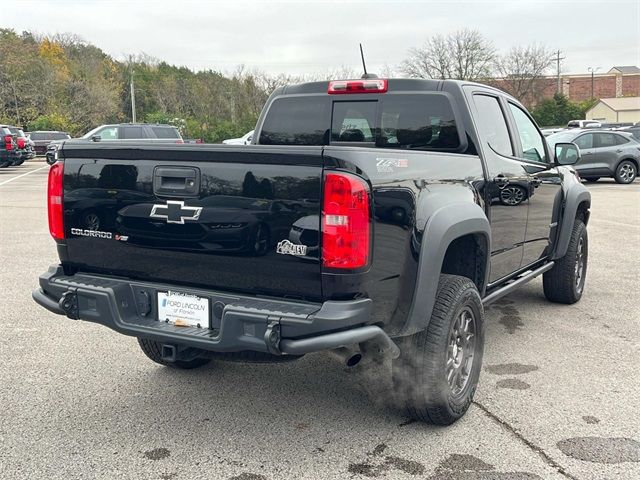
575	195
446	224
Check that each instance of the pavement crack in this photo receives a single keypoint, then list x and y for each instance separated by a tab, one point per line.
528	443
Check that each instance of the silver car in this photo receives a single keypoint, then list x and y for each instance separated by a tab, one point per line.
603	153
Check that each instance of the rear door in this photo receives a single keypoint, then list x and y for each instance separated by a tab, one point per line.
131	132
607	150
215	217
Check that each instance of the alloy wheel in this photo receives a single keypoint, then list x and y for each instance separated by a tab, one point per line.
461	351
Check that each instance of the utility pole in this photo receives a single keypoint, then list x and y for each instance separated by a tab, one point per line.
593	71
133	99
557	58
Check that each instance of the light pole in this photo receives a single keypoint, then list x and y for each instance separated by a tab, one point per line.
593	71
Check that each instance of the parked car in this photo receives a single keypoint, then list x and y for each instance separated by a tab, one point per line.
584	124
24	150
140	132
42	138
603	153
362	222
634	131
8	147
244	140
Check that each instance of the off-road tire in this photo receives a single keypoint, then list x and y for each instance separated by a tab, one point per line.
561	284
626	172
152	349
420	373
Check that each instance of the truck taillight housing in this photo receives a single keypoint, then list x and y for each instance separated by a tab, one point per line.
54	201
376	85
8	142
346	224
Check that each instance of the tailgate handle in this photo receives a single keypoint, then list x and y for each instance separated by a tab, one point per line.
176	181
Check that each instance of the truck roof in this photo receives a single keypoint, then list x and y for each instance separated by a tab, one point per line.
395	84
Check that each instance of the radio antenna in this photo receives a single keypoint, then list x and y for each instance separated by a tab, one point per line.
364	65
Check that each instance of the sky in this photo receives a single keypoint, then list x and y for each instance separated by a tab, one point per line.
298	37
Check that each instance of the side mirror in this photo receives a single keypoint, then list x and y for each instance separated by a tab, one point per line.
96	138
566	153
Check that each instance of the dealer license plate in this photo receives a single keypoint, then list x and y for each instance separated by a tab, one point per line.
182	309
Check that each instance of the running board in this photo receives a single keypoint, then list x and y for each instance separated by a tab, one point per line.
509	287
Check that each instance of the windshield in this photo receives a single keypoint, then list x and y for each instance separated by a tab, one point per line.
561	137
92	132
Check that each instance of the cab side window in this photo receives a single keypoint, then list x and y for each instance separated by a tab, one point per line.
530	138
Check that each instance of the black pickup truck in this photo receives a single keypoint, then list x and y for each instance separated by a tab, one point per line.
373	216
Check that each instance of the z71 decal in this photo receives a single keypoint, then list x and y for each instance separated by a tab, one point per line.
387	165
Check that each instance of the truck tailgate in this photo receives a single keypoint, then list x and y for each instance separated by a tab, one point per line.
209	216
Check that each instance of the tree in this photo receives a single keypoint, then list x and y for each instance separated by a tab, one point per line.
462	55
559	110
521	69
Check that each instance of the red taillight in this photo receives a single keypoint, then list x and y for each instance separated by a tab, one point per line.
345	221
180	140
8	142
376	85
21	143
54	201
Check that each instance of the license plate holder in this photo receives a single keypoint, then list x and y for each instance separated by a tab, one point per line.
183	309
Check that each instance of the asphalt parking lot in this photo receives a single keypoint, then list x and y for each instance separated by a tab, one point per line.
558	397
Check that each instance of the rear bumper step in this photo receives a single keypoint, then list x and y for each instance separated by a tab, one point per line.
238	323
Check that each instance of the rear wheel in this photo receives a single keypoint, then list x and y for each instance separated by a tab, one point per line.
626	172
564	283
153	350
438	369
592	179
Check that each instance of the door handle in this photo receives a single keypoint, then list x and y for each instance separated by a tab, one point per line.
619	150
587	153
500	180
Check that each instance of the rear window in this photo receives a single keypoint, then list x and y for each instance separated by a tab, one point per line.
420	122
38	136
297	121
59	136
165	132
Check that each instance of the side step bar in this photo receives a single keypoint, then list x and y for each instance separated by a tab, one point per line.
509	287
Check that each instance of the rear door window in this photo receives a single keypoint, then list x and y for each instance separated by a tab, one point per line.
132	132
604	140
492	124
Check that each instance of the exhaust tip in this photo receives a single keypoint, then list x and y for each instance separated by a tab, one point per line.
354	359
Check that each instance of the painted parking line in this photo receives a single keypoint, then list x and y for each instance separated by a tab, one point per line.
23	175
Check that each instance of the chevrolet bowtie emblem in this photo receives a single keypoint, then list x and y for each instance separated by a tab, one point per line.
175	212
